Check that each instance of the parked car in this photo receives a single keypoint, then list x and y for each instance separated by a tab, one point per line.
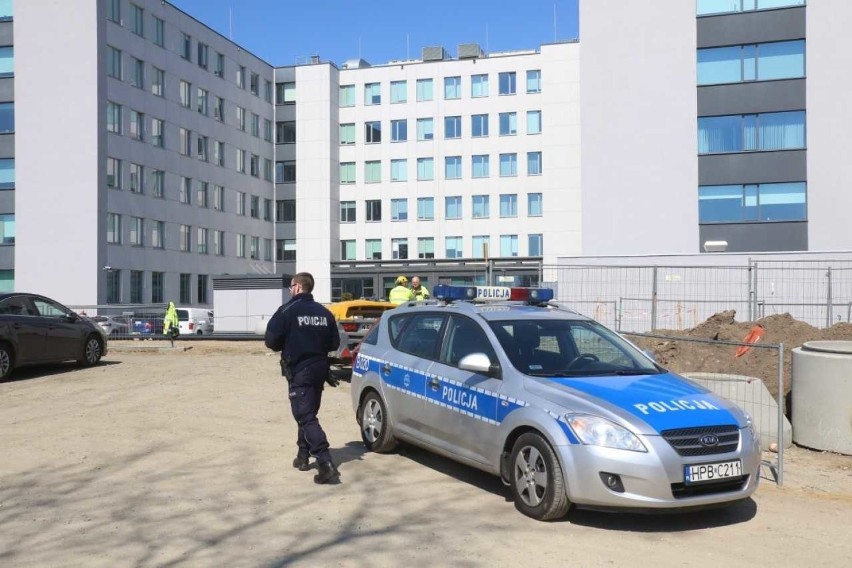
354	320
113	325
35	329
195	321
147	324
563	410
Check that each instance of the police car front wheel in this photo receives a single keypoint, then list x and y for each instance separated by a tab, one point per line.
375	427
538	485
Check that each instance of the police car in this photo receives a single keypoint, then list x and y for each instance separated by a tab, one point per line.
564	410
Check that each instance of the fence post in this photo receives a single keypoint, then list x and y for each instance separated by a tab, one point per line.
829	308
750	293
618	309
782	399
754	287
654	299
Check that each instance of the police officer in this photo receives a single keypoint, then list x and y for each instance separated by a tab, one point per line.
420	292
400	293
304	332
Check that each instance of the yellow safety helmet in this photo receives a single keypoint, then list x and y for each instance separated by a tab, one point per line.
401	280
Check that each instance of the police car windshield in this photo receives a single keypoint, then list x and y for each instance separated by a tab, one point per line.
564	348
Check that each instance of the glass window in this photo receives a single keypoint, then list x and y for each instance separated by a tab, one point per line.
7	62
399	92
508	205
399	130
764	202
201	239
424	90
241	246
373	249
508	123
186	47
425	208
185	190
185	94
158	183
425	129
754	132
373	94
479	86
508	165
781	60
508	83
765	61
534	205
372	171
535	245
137	231
452	87
425	169
347	133
202	288
137	178
267	130
113	232
7	173
158	82
508	245
347	250
373	210
185	238
113	11
454	247
533	122
347	172
533	163
285	171
425	247
158	234
481	246
705	7
113	120
452	127
479	125
452	167
137	78
113	173
113	62
399	170
399	248
453	207
202	197
285	93
534	81
347	95
399	209
159	32
347	212
241	77
7	118
480	166
218	198
285	132
113	295
481	207
373	132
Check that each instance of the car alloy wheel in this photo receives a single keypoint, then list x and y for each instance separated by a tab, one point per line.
93	351
375	428
530	476
5	362
537	481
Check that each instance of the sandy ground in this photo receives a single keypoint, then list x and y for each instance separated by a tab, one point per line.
182	458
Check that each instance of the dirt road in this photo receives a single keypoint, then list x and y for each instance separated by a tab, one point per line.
183	459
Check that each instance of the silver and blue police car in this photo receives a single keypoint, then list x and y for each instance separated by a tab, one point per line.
564	410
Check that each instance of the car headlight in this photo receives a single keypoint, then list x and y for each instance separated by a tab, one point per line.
749	424
597	431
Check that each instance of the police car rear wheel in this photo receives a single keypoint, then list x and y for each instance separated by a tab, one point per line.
374	424
538	485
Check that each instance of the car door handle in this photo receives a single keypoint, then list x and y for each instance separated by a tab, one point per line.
434	383
386	369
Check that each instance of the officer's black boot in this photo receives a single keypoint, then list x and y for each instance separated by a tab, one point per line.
327	472
302	463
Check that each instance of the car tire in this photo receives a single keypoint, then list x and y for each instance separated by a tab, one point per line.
375	428
199	332
92	350
7	361
536	479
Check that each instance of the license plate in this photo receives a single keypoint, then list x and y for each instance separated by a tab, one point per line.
712	471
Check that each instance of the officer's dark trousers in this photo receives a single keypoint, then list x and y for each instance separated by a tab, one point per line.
305	398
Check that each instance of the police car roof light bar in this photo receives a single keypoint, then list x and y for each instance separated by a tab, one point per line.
449	293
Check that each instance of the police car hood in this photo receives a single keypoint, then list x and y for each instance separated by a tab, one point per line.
649	403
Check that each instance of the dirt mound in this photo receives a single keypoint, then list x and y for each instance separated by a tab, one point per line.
683	356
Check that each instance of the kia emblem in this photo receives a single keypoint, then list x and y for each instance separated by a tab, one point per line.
709	440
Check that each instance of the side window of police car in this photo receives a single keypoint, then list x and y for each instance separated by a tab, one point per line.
464	337
418	334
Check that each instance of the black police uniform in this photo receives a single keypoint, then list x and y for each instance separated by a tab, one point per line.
305	331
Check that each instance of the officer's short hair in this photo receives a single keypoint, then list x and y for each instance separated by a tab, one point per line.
305	280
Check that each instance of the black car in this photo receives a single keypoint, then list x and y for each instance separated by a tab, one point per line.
35	329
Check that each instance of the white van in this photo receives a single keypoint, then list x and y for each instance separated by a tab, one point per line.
195	321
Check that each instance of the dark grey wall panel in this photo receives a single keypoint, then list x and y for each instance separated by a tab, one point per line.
6	35
756	237
7	90
7	145
751	27
754	167
7	257
748	98
7	201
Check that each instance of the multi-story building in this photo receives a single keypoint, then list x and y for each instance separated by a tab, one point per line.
7	147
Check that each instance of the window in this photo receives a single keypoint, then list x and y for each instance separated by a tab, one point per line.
753	62
201	148
113	231
219	109
203	55
285	93
533	122
267	130
372	132
137	178
399	248
137	125
241	161
185	142
254	207
481	207
453	207
751	132
267	250
241	77
535	245
267	169
241	246
373	210
185	94
286	250
452	167
219	153
347	250
185	288
114	11
254	248
479	125
241	118
113	120
372	94
185	194
255	125
347	212
185	238
285	211
752	202
113	173
7	117
424	129
399	130
452	88
158	234
507	83
373	249
218	198
480	166
481	246
137	231
347	172
219	243
7	173
399	170
158	82
399	210
157	287
452	127
267	209
425	208
254	84
285	172
157	133
219	65
706	7
241	203
454	247
534	81
479	86
533	163
202	194
508	205
186	47
347	95
534	203
137	79
267	96
508	245
202	289
424	90
508	165
508	123
254	165
425	167
425	247
202	101
114	62
159	32
399	92
347	133
158	183
113	287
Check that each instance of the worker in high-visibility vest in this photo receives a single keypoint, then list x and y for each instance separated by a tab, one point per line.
400	293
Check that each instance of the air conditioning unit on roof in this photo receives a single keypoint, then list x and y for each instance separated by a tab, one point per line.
435	54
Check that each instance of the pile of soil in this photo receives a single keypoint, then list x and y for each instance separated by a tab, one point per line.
683	356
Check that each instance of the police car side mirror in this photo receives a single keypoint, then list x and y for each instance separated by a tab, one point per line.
479	363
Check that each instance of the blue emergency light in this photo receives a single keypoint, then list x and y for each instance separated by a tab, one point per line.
492	293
